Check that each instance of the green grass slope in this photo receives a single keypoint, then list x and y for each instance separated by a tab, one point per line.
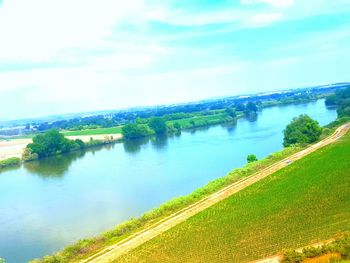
306	202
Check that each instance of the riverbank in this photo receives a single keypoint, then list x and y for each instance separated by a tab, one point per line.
162	248
128	229
15	147
88	247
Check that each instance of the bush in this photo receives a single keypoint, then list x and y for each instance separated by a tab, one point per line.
9	162
340	245
293	256
251	158
311	252
28	155
302	130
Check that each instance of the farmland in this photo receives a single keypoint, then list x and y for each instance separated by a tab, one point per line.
98	131
304	203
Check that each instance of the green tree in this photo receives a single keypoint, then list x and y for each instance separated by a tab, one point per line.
133	131
177	126
251	158
231	112
302	130
158	125
341	99
251	107
240	107
50	143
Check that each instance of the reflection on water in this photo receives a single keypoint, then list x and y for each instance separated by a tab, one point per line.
9	168
134	146
230	126
251	117
53	167
160	142
57	166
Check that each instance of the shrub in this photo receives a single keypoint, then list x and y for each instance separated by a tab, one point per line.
293	256
311	252
251	158
28	155
9	162
340	245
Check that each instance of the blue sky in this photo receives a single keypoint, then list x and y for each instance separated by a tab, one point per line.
60	56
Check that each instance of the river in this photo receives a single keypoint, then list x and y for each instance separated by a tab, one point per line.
48	204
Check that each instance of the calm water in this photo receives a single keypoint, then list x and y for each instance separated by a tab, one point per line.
47	205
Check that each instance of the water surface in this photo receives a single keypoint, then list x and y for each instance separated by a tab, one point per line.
48	204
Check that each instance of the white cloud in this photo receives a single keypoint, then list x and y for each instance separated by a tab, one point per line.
275	3
36	30
264	19
183	18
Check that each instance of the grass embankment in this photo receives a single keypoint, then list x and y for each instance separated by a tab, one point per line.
88	247
306	202
98	131
14	161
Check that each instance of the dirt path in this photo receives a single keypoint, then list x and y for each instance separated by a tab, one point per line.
15	147
12	148
135	240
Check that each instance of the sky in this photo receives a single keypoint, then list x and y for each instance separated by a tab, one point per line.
64	56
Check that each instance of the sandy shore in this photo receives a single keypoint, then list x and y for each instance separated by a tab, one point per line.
14	148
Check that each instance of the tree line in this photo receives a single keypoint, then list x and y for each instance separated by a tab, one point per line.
341	100
245	105
53	142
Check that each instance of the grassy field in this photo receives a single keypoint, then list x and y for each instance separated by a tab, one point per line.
306	202
97	131
198	121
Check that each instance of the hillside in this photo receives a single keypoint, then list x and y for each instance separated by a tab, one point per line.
306	202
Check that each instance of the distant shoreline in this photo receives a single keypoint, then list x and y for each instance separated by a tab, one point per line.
15	147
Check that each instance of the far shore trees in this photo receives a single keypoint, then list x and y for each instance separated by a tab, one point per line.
302	130
231	112
250	109
341	99
50	143
158	125
133	131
